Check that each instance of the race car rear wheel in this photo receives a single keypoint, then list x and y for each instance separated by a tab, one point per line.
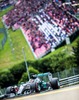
55	83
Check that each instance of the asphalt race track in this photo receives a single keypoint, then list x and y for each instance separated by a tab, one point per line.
68	93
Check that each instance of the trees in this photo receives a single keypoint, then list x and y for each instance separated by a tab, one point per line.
17	72
76	53
24	77
55	62
11	76
6	79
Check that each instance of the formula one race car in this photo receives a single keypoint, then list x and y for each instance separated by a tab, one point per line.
39	83
11	91
2	96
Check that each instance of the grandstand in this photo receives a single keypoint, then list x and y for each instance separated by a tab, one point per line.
44	24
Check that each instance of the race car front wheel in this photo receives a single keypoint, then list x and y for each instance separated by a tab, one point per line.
26	92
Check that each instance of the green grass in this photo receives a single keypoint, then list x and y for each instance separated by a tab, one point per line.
18	42
1	37
3	12
1	24
11	54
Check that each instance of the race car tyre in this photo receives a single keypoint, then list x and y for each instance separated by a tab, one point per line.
26	92
55	83
10	92
12	95
37	87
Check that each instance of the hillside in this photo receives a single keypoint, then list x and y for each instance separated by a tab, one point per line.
11	54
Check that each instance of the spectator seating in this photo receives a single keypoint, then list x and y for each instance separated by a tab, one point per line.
43	27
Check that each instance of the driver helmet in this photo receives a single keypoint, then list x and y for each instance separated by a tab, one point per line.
33	76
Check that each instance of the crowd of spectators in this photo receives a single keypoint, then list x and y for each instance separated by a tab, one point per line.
65	20
22	10
70	8
35	37
45	25
5	3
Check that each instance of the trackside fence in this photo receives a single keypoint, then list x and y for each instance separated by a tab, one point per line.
69	81
2	43
68	77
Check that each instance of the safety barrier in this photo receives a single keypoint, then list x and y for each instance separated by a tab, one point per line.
69	81
3	30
